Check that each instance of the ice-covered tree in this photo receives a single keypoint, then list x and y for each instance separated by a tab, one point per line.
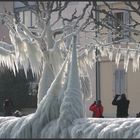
39	49
58	63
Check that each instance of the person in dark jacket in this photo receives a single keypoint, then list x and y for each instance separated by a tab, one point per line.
122	105
8	107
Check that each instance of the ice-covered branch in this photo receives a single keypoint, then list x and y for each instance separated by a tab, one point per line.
6	48
29	33
72	105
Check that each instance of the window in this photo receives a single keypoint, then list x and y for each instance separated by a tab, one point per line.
26	16
120	22
119	17
120	81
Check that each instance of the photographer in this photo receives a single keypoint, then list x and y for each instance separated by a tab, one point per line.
122	105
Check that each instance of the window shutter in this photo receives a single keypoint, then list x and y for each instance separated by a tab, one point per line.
21	15
27	18
120	81
33	19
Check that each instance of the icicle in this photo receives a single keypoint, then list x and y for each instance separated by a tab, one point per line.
94	54
34	55
110	52
103	51
21	53
138	56
126	60
86	51
7	56
16	64
55	59
62	46
118	56
86	60
132	56
134	63
89	57
13	39
86	85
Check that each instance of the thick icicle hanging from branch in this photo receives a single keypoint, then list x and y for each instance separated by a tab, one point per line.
27	52
118	56
103	51
94	54
110	52
137	57
126	59
134	63
7	56
55	59
20	51
13	41
34	55
90	56
87	83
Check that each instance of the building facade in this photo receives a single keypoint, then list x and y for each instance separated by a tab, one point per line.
115	80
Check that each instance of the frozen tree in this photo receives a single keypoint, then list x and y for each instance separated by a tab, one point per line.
58	63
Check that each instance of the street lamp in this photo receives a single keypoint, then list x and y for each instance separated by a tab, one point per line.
97	60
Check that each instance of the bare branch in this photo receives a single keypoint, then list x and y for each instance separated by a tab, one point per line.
84	11
27	31
129	3
60	9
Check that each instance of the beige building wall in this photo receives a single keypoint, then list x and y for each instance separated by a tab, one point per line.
107	79
106	84
133	82
107	88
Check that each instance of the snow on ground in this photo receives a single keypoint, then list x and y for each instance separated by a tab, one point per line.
106	128
13	127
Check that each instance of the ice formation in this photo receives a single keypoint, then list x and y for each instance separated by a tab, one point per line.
126	60
106	128
60	114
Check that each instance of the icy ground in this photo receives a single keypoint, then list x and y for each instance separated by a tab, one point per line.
12	127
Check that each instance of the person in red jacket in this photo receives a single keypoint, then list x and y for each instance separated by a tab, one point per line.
97	109
91	108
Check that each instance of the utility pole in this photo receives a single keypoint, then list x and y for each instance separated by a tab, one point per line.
97	52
